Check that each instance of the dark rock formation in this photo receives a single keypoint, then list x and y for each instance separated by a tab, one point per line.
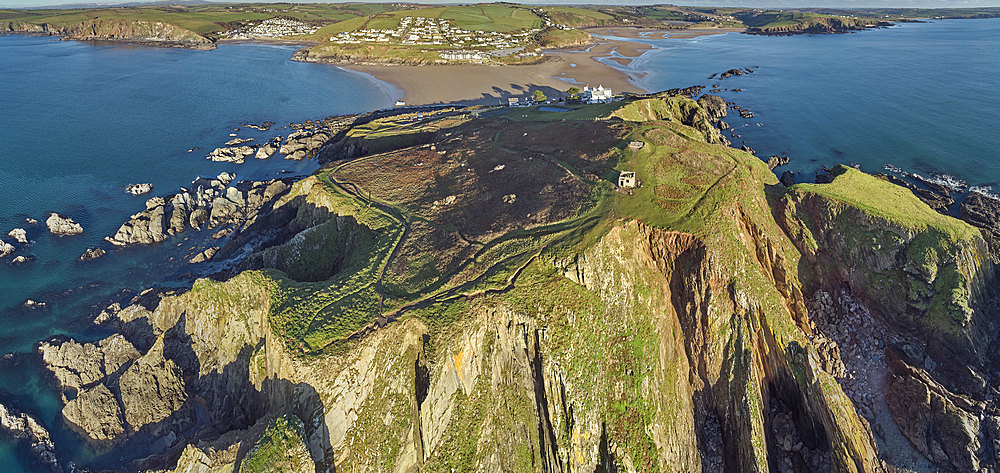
92	253
714	106
788	178
775	161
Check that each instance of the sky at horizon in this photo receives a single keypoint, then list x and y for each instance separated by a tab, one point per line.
718	3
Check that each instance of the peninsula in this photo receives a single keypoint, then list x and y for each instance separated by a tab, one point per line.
604	286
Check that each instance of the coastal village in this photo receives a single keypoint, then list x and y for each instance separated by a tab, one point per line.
271	28
423	31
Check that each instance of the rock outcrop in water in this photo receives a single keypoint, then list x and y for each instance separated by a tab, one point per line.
235	154
210	203
5	248
268	149
139	189
304	144
27	429
20	235
62	225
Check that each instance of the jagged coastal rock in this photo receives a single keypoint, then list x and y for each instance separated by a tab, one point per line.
20	235
238	141
139	189
235	154
5	248
776	161
210	203
92	253
304	144
268	149
27	429
63	225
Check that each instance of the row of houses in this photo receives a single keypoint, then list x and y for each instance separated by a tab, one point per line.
434	32
272	28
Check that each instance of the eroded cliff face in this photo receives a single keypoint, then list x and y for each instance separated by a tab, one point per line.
933	285
710	320
153	33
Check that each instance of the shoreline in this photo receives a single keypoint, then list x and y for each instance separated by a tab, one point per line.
477	84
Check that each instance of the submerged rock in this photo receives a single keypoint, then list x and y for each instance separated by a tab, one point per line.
63	225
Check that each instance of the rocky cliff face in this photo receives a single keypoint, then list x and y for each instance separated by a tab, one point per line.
818	25
153	33
482	300
934	287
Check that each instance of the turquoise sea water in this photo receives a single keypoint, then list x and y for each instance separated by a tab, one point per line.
80	121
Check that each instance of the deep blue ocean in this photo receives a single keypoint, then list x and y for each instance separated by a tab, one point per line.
80	121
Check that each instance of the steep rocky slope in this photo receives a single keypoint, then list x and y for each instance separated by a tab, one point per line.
477	295
153	33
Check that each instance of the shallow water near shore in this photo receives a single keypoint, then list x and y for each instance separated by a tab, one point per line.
81	121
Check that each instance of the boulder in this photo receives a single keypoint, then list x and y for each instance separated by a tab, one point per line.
231	155
139	189
723	125
269	148
19	234
775	161
21	259
204	255
5	248
92	253
63	225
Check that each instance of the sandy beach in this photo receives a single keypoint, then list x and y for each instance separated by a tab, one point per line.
562	69
491	85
